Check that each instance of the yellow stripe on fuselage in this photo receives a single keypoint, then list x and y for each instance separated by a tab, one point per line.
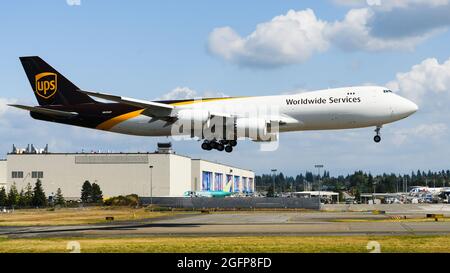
107	125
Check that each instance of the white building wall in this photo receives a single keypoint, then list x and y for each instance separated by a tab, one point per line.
195	175
3	171
180	175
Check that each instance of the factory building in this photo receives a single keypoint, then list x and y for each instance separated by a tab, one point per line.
160	174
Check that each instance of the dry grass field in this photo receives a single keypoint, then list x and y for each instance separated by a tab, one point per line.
75	216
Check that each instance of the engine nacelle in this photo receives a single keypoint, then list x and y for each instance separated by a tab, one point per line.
200	123
255	129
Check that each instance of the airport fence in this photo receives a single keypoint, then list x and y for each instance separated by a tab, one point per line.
233	203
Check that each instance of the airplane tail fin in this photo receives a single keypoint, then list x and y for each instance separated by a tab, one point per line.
49	86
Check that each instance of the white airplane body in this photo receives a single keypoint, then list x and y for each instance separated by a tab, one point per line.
331	109
375	107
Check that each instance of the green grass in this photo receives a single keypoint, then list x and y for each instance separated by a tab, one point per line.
258	244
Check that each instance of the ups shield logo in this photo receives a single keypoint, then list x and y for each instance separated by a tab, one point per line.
46	84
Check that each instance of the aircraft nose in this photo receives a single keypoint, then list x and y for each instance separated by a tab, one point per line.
404	107
410	107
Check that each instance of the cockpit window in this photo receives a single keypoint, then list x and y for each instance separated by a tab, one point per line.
387	91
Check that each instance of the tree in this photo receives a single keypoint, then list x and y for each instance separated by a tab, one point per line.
86	192
3	197
39	199
97	194
13	196
270	192
21	202
28	196
59	198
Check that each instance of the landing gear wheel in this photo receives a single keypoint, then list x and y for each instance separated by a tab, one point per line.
233	143
213	144
228	149
220	147
377	139
205	146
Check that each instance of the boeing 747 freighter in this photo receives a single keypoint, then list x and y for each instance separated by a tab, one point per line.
219	122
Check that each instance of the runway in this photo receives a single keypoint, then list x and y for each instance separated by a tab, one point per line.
246	224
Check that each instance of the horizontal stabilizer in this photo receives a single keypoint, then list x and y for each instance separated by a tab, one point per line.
154	109
45	111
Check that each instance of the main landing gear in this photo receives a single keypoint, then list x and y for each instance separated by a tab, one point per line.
377	138
222	145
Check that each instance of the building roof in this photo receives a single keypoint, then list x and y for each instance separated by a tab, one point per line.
99	153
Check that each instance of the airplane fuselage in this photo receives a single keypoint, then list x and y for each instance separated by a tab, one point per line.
340	108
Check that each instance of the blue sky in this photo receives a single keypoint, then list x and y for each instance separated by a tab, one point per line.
147	49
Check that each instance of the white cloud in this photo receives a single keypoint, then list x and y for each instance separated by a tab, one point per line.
4	105
179	93
433	131
355	33
296	36
286	39
427	78
390	4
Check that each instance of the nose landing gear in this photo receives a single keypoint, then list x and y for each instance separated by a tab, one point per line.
377	138
222	145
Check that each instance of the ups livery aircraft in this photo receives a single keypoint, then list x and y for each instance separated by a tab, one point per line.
222	120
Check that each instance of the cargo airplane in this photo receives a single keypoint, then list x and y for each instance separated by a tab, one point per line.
63	102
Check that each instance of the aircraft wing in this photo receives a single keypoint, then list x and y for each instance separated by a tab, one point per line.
152	109
45	111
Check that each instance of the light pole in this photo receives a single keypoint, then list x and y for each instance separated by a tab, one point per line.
319	166
151	185
375	182
273	180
